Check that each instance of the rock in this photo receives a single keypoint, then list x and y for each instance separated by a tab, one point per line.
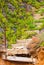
40	54
10	6
37	16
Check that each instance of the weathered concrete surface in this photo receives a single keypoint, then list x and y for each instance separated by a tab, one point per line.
2	62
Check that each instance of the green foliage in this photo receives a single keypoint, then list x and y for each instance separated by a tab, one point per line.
42	44
17	20
36	4
41	10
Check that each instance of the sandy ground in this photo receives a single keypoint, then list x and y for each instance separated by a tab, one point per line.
40	57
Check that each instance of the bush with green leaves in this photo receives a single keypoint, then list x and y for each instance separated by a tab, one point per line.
15	16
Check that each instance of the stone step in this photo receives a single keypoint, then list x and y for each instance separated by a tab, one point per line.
20	59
